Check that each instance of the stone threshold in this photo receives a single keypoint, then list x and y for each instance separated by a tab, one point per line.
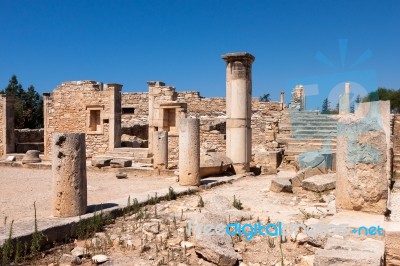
58	229
137	169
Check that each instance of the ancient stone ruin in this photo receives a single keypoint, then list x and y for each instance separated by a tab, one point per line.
290	163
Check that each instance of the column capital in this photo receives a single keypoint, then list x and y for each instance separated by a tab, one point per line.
241	56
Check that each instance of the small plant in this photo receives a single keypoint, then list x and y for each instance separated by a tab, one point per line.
153	200
306	215
128	207
169	235
237	204
271	242
174	221
17	252
171	194
7	250
191	191
201	202
36	236
185	236
135	207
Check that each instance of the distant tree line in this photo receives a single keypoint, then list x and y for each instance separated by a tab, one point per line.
384	94
28	106
381	94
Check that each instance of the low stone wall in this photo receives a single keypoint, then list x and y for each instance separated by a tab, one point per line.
27	135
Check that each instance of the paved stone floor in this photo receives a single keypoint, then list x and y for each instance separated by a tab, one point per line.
21	187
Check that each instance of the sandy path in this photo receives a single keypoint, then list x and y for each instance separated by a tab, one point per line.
20	187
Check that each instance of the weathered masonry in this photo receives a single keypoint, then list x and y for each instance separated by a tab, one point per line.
85	107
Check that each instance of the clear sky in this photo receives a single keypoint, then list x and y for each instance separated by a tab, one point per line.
320	44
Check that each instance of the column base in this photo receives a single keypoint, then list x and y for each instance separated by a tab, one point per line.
241	168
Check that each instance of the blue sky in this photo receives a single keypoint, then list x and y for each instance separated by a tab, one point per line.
321	44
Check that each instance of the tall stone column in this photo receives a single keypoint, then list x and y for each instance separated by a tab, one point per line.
238	109
189	152
160	149
69	174
114	91
282	99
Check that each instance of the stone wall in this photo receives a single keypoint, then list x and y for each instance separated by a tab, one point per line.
396	144
7	137
27	135
84	107
212	114
2	128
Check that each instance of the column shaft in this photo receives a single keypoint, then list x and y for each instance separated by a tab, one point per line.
189	152
69	174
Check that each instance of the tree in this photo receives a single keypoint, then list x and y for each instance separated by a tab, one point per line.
358	99
265	98
384	94
28	105
325	106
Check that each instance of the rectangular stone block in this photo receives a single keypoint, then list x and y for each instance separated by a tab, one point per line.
392	244
340	252
101	162
119	163
361	154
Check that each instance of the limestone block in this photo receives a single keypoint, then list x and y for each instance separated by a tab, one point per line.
340	252
189	152
297	180
361	182
392	244
320	183
216	248
213	163
315	159
69	174
119	163
394	202
11	158
98	162
281	184
31	156
268	160
121	175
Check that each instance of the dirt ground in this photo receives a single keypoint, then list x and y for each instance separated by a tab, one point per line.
129	241
21	187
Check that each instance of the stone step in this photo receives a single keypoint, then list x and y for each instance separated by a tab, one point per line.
293	141
314	136
314	131
133	159
310	146
309	127
297	152
312	123
129	152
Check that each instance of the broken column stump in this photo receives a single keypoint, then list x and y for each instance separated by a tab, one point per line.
69	174
189	152
31	156
160	150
